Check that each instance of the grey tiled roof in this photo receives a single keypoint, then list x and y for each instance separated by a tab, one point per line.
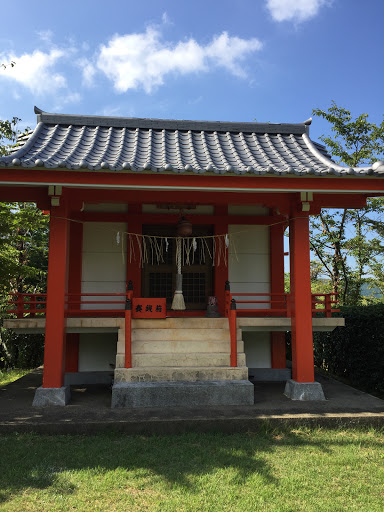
155	145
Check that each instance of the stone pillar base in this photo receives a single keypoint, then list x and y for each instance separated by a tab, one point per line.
51	396
304	390
182	394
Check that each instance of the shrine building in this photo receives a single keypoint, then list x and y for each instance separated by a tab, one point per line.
166	255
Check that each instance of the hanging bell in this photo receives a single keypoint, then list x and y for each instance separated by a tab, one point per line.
184	227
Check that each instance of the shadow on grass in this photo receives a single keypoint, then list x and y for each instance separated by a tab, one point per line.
38	462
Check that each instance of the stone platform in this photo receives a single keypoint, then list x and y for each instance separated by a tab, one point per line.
182	393
89	411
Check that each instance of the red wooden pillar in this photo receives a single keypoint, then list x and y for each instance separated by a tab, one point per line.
301	307
135	225
74	291
221	271
72	352
276	247
54	351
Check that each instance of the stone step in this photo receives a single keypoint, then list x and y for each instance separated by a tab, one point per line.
182	360
174	374
180	323
160	347
180	334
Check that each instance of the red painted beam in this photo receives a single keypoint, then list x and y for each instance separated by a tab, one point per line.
23	194
340	200
279	200
172	218
159	180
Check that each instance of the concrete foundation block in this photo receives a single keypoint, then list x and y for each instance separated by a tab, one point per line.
182	394
308	391
51	396
175	359
84	378
180	374
269	374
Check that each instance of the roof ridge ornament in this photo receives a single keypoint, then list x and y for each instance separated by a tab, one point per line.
38	110
308	121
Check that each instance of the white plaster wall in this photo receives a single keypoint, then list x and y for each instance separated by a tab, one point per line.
97	351
257	348
249	272
249	262
104	262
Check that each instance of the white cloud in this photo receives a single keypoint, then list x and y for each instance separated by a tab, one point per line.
71	97
88	71
165	19
143	60
35	70
109	111
68	97
195	101
295	10
45	35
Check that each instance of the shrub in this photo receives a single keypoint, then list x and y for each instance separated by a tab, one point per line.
20	350
355	352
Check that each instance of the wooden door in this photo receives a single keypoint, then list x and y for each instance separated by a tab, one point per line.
158	277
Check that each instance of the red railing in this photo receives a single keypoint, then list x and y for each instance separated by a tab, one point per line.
324	305
34	304
278	304
30	304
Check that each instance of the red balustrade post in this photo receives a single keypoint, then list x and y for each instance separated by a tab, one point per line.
19	305
32	305
328	306
233	332
227	298
313	303
130	289
288	299
128	333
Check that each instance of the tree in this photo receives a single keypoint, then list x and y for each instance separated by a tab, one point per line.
23	261
8	133
23	234
347	243
355	142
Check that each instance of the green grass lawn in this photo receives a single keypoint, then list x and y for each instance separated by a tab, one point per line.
8	376
272	470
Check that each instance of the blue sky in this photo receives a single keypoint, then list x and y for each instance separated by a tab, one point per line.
232	60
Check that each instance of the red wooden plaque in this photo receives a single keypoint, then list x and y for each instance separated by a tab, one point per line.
148	308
